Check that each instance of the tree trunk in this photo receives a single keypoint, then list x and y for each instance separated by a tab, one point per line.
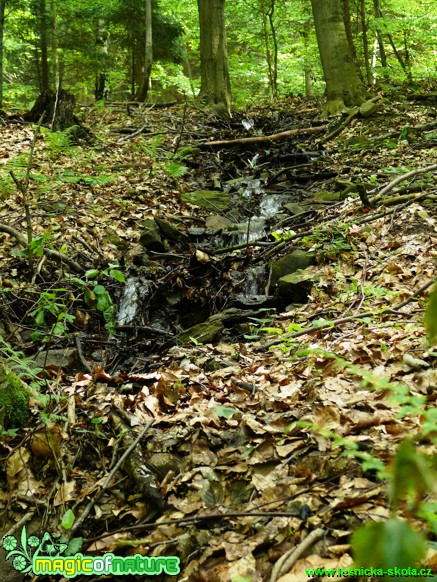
143	89
102	48
54	47
348	27
215	88
44	46
268	26
380	39
58	107
2	31
366	51
344	88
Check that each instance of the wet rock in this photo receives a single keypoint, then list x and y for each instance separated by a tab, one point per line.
67	359
290	264
251	301
325	196
294	208
296	287
242	232
207	331
196	232
151	236
217	222
170	231
210	199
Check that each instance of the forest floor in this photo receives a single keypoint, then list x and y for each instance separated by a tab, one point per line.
278	434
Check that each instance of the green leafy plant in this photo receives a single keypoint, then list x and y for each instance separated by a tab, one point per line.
52	313
259	325
97	296
72	177
59	142
410	475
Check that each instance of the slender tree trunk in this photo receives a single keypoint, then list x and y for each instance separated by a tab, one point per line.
54	47
365	42
215	86
308	82
143	89
379	37
44	43
344	88
275	48
102	49
348	27
2	32
268	25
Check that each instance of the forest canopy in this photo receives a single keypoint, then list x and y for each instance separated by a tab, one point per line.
272	47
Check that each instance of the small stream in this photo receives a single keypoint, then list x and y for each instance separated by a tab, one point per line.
254	284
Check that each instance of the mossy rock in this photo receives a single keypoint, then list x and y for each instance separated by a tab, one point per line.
170	232
294	208
205	332
296	287
118	242
14	399
297	260
209	199
368	108
325	196
151	236
217	222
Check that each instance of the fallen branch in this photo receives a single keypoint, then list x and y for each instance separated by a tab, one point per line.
400	179
287	561
83	516
262	138
336	322
354	113
49	252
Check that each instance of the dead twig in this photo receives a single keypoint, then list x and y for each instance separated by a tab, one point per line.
341	320
83	516
263	138
287	561
49	252
400	179
354	113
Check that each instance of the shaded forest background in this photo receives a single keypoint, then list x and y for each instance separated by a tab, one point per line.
96	49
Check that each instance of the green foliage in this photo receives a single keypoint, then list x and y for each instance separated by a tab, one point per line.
175	170
386	544
59	142
72	177
263	36
97	297
411	479
52	313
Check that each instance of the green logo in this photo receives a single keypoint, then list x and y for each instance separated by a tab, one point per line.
44	556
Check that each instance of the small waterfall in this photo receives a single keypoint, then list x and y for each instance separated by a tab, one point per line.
134	290
255	280
272	204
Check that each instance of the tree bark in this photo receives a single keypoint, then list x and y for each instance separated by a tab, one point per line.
383	56
344	88
102	76
143	89
215	86
2	31
366	51
43	39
